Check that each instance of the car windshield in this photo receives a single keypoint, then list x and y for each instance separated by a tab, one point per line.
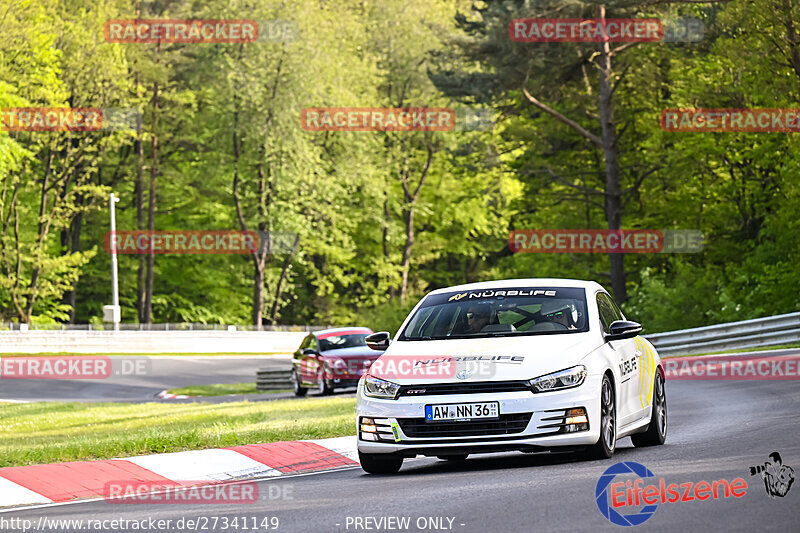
499	312
334	342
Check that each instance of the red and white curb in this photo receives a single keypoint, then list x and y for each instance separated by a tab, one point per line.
61	482
166	395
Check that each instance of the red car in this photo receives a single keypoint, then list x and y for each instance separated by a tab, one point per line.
331	359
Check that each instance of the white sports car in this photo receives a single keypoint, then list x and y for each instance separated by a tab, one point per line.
524	364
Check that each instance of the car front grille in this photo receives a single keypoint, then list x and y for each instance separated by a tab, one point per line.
504	425
464	388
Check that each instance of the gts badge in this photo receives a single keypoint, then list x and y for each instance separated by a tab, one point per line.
626	367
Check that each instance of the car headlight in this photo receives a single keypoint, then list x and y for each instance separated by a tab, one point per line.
380	388
563	379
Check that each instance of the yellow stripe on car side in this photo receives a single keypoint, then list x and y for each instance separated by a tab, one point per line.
641	370
650	371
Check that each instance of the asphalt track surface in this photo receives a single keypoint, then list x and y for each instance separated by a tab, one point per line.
717	429
139	378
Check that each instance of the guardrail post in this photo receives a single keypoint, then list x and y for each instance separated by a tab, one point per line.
269	379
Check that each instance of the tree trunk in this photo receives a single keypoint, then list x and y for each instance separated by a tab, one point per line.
265	192
792	40
70	241
12	271
258	294
409	206
405	262
151	211
613	194
387	219
139	190
43	229
141	269
256	255
273	315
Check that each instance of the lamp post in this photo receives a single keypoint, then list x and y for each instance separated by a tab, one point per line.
115	310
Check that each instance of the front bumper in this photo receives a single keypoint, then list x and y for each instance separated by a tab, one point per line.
409	435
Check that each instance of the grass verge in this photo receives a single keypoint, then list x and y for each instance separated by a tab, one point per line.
223	389
45	432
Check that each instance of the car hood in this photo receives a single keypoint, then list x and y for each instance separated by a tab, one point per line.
355	352
482	359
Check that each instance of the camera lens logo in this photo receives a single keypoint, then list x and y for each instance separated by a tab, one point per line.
778	477
604	500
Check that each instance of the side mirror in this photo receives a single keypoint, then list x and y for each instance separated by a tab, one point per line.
308	351
623	329
378	341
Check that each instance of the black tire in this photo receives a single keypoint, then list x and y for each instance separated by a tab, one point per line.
607	442
323	386
656	432
379	463
299	390
459	457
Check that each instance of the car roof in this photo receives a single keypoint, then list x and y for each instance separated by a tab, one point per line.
523	282
355	330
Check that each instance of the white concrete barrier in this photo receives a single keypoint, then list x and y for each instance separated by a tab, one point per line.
143	342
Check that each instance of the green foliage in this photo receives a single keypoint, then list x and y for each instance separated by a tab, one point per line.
349	195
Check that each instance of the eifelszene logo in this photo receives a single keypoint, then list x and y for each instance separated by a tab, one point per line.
619	501
607	508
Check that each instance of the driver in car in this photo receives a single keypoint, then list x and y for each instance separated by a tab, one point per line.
478	317
558	312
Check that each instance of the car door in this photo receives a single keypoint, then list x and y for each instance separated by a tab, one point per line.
639	375
628	360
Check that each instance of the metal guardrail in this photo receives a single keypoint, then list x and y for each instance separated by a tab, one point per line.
755	333
270	379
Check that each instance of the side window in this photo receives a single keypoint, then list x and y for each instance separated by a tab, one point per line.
312	343
617	312
606	309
